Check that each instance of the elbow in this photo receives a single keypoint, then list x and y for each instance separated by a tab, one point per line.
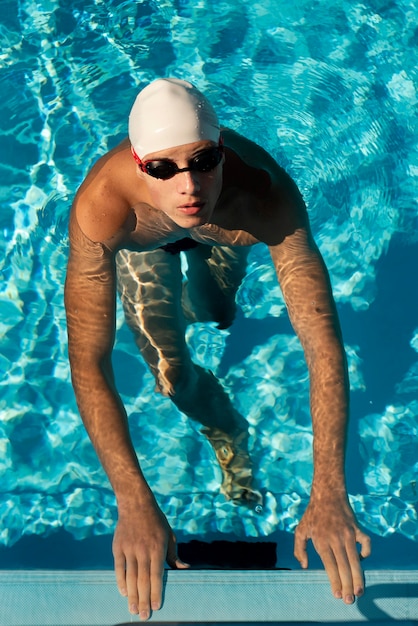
88	369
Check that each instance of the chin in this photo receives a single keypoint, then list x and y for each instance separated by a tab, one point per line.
192	221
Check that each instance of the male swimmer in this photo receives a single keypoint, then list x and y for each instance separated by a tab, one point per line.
181	183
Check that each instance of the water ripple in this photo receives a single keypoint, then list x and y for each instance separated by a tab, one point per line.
333	95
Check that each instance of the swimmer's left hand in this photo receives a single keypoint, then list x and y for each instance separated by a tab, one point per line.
334	531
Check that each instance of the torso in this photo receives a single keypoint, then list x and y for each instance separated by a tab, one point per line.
255	192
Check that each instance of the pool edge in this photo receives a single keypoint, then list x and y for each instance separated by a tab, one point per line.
90	598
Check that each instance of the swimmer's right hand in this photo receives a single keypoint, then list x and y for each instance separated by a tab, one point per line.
143	541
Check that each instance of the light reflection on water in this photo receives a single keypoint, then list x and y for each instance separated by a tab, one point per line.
332	94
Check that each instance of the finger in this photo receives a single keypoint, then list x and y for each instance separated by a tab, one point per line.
131	582
349	570
144	590
120	572
356	571
156	591
172	559
333	571
300	552
365	542
355	558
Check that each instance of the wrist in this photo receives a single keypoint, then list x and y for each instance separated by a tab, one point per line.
138	496
327	492
329	477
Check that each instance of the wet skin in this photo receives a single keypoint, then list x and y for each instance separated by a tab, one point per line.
247	199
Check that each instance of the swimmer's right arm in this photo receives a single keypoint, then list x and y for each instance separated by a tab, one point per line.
143	538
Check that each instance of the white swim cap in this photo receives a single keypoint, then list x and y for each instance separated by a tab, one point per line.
168	113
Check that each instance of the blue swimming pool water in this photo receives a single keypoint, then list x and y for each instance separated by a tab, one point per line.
330	89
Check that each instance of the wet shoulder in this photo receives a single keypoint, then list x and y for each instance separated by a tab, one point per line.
259	196
251	168
103	202
250	153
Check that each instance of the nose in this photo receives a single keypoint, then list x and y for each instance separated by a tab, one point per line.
188	182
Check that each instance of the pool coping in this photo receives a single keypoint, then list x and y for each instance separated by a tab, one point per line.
90	598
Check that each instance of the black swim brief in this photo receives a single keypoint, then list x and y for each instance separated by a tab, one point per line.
180	246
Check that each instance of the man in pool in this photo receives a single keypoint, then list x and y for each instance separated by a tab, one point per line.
181	183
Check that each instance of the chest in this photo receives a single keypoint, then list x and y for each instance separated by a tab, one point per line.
213	234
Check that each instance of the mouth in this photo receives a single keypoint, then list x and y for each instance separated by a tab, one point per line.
191	208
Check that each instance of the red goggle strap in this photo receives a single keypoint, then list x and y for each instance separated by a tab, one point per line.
136	157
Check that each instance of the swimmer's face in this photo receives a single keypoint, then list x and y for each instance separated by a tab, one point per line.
189	197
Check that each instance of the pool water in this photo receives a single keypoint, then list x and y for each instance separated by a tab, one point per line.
330	89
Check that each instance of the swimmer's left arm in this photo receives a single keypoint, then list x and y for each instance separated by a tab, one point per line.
328	520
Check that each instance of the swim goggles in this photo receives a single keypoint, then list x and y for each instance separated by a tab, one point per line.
205	161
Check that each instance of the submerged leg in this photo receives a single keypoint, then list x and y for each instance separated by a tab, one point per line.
150	286
214	275
227	432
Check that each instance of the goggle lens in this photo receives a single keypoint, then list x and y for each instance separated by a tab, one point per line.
206	161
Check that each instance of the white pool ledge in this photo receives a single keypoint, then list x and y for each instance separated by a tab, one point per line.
90	598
